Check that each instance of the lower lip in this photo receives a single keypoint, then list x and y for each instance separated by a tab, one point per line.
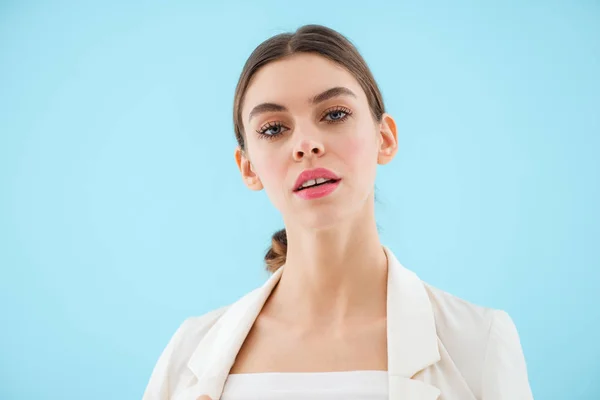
317	191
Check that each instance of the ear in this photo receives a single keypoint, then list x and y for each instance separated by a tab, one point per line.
250	178
388	139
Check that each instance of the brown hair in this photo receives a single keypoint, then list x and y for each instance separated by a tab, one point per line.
307	39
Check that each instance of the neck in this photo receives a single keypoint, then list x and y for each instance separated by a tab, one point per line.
333	276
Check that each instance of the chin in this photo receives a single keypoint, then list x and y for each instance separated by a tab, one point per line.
320	219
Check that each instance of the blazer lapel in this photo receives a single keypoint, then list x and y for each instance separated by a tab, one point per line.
216	353
411	334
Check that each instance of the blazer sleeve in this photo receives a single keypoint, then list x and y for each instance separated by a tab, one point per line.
504	370
158	387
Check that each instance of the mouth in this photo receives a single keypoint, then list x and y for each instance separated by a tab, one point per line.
313	183
314	178
312	190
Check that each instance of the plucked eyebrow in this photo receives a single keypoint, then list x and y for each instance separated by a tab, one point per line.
265	108
321	97
331	93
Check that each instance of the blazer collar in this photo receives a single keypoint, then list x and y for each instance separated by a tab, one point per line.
411	337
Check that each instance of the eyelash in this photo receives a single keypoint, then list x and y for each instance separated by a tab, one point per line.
262	135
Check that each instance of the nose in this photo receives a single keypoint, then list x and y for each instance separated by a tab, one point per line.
307	148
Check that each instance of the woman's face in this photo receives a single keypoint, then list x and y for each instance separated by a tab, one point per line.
305	112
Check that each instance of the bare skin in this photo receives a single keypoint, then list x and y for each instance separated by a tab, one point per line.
328	311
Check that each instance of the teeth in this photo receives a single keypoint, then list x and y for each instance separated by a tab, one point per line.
309	183
313	182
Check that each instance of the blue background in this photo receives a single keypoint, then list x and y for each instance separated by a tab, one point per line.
122	211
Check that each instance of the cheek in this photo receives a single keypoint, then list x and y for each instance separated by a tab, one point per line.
353	147
271	171
360	152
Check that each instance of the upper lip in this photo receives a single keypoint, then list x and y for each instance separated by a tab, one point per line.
309	174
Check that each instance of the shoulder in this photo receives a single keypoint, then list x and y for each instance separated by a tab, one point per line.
455	316
171	368
190	333
462	323
195	327
192	330
483	343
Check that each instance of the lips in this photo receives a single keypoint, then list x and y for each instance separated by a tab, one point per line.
314	174
318	191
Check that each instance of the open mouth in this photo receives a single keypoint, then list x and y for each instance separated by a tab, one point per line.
316	183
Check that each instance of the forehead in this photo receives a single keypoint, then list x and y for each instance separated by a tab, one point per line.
293	80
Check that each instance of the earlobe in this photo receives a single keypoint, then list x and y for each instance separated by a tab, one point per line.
388	141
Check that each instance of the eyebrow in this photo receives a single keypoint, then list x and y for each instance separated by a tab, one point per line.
321	97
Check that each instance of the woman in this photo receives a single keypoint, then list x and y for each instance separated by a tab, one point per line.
340	318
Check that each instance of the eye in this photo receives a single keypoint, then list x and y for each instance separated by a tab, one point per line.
337	114
271	130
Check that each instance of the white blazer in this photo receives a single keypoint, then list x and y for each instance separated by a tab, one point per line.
439	346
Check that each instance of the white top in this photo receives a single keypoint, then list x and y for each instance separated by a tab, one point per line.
347	385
